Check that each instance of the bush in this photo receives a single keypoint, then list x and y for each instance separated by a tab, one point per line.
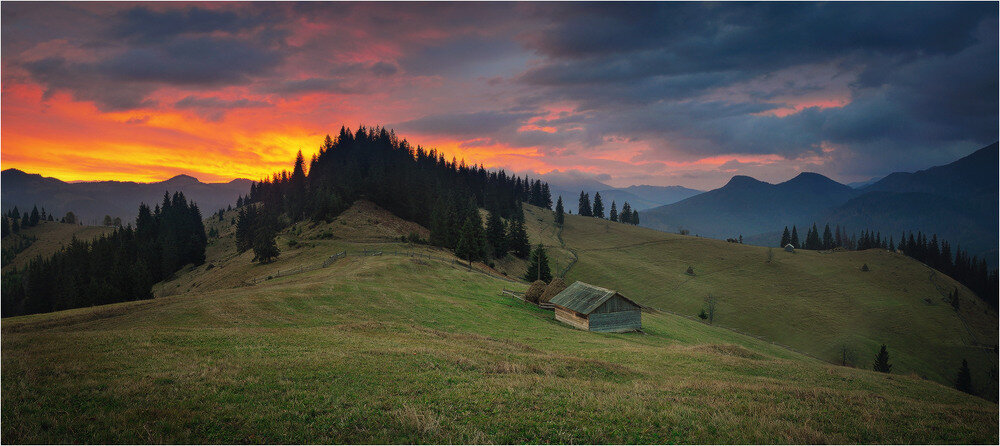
534	291
555	287
415	238
293	243
702	314
690	271
865	268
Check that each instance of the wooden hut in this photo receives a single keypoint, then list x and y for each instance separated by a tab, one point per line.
593	308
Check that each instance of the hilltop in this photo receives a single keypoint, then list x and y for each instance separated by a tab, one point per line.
400	348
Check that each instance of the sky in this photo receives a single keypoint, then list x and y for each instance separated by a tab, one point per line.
651	93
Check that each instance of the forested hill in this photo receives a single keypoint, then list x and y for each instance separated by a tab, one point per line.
415	184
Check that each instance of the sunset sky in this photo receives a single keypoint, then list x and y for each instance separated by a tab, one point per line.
661	94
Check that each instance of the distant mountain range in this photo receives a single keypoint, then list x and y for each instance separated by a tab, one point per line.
639	197
957	201
91	201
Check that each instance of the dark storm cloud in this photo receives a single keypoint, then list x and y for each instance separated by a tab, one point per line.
926	73
143	24
478	124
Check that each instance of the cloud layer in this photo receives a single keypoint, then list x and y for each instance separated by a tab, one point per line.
657	93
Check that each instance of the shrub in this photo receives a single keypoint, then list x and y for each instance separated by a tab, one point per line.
690	271
865	268
534	291
702	314
293	243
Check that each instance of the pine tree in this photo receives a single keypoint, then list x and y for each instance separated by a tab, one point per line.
560	213
882	361
625	216
964	380
517	238
635	218
795	238
6	227
538	268
496	235
827	237
35	217
786	238
471	243
613	215
598	208
584	206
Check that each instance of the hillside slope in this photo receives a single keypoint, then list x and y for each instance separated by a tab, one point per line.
820	303
400	349
49	237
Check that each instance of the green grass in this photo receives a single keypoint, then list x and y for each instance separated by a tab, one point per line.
391	350
816	302
394	349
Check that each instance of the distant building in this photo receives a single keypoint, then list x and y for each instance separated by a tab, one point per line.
593	308
789	248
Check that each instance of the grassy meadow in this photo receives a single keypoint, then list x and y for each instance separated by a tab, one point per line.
820	303
394	349
50	237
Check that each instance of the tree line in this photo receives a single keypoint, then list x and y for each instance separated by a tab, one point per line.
413	183
121	266
584	208
971	271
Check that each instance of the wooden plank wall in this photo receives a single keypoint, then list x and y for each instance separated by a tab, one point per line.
572	318
615	304
616	322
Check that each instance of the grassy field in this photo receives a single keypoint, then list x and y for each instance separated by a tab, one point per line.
396	349
820	303
50	237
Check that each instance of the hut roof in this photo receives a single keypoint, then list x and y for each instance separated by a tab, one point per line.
583	297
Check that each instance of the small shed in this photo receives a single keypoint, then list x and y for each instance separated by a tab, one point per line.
789	248
593	308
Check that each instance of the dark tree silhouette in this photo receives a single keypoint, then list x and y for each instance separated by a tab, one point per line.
964	380
538	267
598	209
881	363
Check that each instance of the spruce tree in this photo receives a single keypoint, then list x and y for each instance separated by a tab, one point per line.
517	238
6	227
583	209
496	235
538	267
471	243
560	212
786	238
635	218
882	361
827	237
625	215
964	380
613	215
795	238
598	208
35	217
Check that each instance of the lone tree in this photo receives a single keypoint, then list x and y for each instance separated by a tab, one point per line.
584	206
964	380
613	214
882	361
560	212
598	209
538	267
710	307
